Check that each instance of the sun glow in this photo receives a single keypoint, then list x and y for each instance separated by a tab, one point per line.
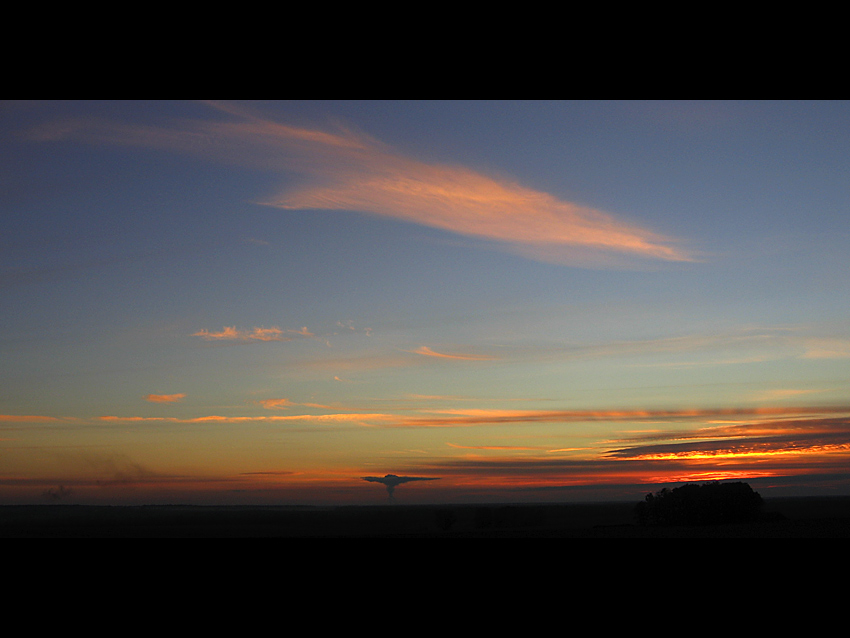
516	298
727	454
719	475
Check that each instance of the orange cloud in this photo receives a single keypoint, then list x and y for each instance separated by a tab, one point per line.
425	350
351	171
474	417
496	447
164	398
271	404
364	419
780	394
230	333
802	420
805	438
274	404
459	200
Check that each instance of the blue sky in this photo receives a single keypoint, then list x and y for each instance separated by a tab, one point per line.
264	302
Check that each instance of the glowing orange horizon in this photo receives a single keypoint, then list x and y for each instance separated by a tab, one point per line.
726	454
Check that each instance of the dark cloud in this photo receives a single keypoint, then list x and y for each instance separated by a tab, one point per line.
814	435
778	453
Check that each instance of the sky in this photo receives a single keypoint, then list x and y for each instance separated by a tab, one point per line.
268	302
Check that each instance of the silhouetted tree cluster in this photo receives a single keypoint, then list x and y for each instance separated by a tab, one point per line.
445	519
707	504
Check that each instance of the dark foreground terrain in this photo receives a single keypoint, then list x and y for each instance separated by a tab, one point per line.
783	518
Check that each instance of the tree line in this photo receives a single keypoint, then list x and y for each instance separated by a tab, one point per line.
707	504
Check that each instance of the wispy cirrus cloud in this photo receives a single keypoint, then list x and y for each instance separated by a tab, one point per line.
164	398
231	333
743	345
748	418
285	404
361	418
531	223
351	171
499	448
481	417
827	348
428	352
272	404
784	393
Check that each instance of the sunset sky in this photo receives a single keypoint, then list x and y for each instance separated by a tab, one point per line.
265	302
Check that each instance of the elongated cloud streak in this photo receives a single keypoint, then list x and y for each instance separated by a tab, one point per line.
425	350
464	202
285	404
353	172
364	418
230	333
476	417
164	398
497	447
272	404
756	418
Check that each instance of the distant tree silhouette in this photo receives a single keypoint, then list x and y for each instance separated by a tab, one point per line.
445	519
707	504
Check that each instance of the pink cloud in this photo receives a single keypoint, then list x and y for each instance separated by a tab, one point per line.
271	404
352	171
428	352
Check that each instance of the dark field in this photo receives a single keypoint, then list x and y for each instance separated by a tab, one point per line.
812	517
